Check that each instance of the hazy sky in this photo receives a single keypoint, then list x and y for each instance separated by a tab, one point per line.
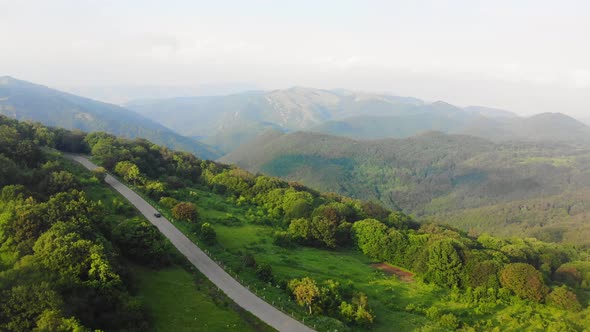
526	56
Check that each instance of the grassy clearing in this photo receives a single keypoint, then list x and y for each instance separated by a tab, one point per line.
388	295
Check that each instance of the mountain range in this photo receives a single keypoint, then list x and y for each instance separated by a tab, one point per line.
22	100
229	121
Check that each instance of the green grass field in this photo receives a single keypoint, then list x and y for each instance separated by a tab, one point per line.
388	296
183	301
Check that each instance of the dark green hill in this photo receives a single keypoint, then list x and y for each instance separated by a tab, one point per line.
27	101
434	174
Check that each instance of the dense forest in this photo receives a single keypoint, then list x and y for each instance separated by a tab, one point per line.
515	188
270	233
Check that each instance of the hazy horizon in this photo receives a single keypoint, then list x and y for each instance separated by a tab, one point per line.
527	57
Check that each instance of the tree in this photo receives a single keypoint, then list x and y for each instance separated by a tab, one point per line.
305	291
128	170
563	298
300	230
154	189
9	172
62	181
185	211
53	321
75	259
524	280
444	264
142	242
375	211
324	230
358	311
370	235
21	305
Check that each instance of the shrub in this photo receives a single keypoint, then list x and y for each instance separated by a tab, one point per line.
248	260
185	211
264	272
100	173
168	202
449	321
208	234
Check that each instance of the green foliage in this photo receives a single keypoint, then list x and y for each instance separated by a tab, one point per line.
52	320
444	264
305	291
370	236
129	171
142	242
185	211
563	298
100	173
264	272
524	280
22	305
300	230
168	202
208	234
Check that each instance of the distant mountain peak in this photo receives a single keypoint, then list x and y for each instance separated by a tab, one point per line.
5	80
490	112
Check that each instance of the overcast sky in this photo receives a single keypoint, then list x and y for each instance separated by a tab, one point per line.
526	56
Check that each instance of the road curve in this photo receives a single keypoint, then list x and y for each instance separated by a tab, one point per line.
233	289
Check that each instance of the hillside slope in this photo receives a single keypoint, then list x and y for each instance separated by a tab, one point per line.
27	101
433	174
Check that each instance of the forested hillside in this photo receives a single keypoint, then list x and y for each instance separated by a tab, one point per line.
529	189
27	101
76	257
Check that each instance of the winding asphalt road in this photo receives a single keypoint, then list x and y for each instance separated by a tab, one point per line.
233	289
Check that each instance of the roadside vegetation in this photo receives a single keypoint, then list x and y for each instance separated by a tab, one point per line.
75	256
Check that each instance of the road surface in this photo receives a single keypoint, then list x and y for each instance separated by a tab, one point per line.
233	289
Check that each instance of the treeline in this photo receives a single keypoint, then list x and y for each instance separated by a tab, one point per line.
62	256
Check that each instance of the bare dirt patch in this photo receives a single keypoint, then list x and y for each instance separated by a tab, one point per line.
402	275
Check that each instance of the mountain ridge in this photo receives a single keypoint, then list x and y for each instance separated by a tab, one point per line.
24	100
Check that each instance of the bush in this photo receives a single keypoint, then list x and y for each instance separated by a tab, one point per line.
248	260
208	234
100	173
185	211
168	202
449	321
264	272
